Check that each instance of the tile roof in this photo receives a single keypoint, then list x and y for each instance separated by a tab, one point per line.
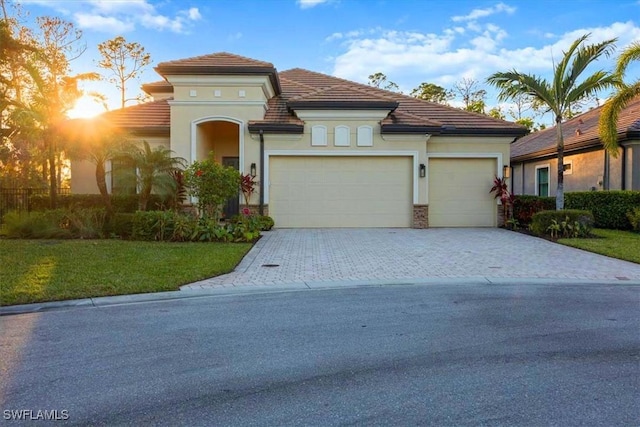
161	86
579	132
218	59
150	117
298	87
410	112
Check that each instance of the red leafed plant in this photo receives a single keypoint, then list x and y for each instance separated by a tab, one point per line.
501	191
247	186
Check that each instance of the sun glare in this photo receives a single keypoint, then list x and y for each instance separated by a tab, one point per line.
85	108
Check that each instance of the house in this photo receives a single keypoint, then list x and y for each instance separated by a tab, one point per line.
586	164
328	152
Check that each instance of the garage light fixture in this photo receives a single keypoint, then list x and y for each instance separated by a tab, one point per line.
506	171
253	170
423	170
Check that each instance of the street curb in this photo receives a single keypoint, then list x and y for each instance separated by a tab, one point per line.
296	286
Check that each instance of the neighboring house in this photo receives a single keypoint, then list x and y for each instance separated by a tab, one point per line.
328	152
586	164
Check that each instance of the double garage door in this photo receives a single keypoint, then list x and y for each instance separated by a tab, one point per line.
318	191
377	191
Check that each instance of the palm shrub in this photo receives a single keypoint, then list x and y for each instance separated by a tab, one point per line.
154	169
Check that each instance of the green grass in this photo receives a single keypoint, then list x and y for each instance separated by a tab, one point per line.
53	270
614	243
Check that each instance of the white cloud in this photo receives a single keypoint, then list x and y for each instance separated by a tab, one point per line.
194	14
307	4
234	36
409	58
483	13
117	17
107	24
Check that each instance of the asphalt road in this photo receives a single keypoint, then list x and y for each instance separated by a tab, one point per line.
397	355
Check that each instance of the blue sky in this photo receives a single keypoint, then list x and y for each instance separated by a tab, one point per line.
410	41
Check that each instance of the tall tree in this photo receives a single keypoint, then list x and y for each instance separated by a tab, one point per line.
626	92
19	159
472	95
56	90
125	60
380	80
433	93
563	91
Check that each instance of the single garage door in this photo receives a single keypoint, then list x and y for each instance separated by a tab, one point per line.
319	191
459	193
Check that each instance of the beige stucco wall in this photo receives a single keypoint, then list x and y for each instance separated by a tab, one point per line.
83	172
587	173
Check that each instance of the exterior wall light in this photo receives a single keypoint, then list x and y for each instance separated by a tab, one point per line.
423	170
253	170
506	171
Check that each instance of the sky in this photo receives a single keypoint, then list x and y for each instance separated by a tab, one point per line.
411	42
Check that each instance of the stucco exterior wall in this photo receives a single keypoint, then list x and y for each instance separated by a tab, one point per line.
587	173
83	172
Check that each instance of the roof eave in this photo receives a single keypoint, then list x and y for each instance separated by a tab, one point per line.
343	105
290	128
576	146
389	129
169	69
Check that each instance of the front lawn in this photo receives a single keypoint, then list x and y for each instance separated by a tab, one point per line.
53	270
614	243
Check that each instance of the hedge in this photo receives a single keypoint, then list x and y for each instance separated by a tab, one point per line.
125	203
609	208
525	206
542	220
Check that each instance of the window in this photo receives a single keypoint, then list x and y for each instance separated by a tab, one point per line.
542	181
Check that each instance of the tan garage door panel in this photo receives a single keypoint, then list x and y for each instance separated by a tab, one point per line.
318	191
459	193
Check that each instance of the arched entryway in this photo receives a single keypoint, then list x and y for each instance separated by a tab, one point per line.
222	138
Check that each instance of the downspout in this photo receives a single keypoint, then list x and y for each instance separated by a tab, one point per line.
623	168
523	164
605	172
261	206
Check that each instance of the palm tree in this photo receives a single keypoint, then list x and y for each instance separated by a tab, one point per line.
559	95
613	107
98	141
154	169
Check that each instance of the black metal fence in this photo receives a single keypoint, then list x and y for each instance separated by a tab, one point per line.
19	199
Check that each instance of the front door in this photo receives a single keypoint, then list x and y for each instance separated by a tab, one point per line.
232	207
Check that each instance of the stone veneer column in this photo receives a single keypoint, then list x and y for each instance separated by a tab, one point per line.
420	216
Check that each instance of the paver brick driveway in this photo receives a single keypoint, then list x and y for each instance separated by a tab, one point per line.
325	255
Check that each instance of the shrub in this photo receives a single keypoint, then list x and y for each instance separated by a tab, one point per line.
634	218
55	224
127	203
566	223
609	208
213	184
266	223
152	225
525	206
121	225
